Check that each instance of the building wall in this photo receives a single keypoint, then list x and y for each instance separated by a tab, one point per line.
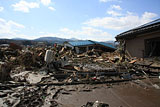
136	46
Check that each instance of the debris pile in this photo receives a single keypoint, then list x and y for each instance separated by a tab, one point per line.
29	72
5	72
95	104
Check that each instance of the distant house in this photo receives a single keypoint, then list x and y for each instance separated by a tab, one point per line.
142	41
83	46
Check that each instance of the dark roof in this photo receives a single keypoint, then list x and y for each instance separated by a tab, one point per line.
89	42
148	27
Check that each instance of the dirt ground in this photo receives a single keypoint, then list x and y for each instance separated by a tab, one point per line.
136	93
130	94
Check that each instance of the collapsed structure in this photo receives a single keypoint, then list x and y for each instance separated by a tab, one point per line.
84	46
142	41
56	76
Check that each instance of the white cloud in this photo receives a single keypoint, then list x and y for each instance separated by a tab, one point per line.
109	1
116	7
24	6
87	33
9	28
113	13
103	0
52	8
1	9
46	2
147	16
41	32
114	10
123	22
2	21
12	23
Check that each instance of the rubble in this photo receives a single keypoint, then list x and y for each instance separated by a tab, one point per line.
5	70
95	104
38	74
15	46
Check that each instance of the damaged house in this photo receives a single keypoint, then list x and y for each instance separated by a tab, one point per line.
86	45
142	41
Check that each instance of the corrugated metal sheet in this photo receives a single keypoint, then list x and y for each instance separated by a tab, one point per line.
81	43
105	44
89	42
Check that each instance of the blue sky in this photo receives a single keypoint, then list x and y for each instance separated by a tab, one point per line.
99	20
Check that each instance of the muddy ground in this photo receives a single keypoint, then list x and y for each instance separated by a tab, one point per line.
129	94
137	93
